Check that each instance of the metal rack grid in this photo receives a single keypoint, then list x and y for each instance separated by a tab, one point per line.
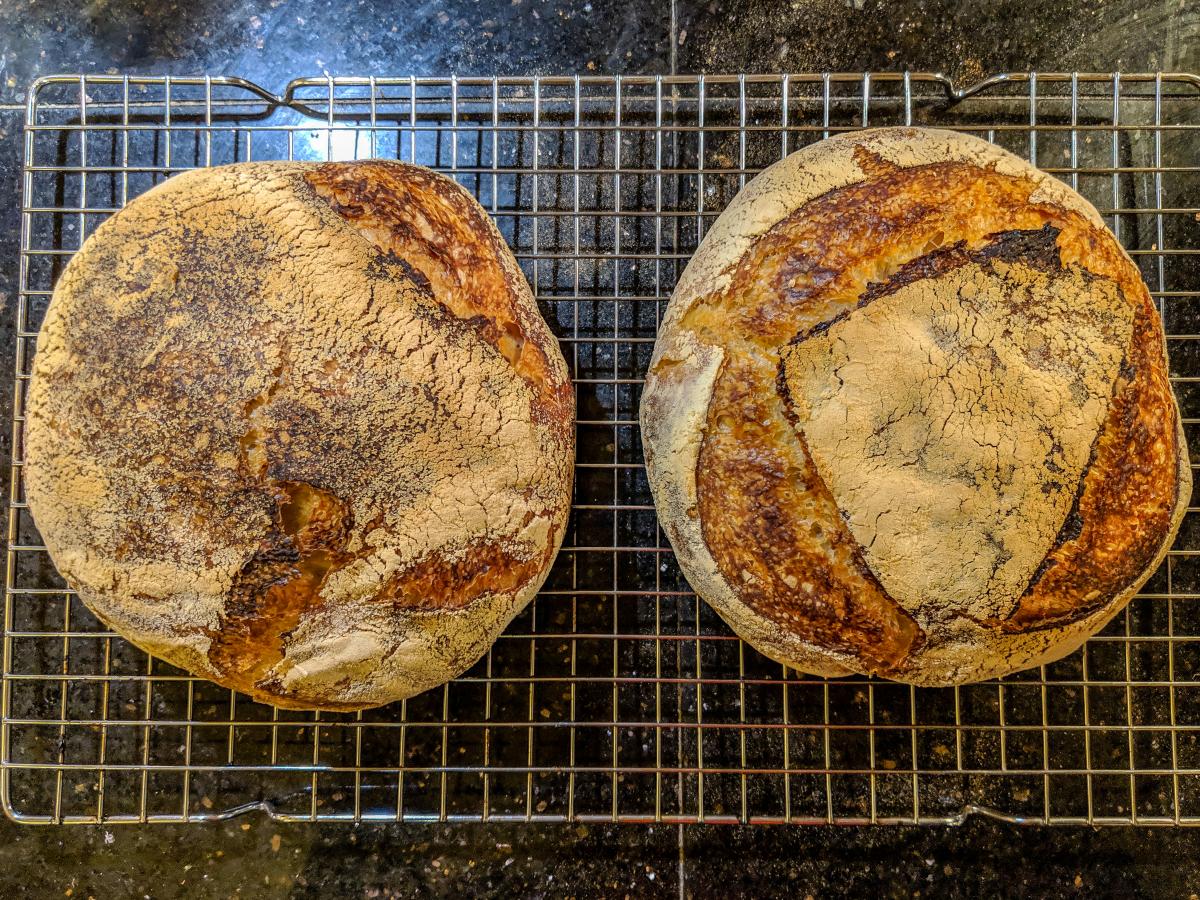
617	695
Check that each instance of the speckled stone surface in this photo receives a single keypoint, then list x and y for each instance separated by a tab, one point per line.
272	40
257	858
261	859
965	39
275	40
10	224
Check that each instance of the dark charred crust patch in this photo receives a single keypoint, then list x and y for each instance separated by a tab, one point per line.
389	265
931	265
1036	248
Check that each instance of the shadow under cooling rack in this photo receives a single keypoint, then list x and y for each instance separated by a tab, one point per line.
616	695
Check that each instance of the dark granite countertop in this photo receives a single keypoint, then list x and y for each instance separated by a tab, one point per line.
257	858
274	40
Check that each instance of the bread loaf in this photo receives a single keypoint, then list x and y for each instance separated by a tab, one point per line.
299	428
909	414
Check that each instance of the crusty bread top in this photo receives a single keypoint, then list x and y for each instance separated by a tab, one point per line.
973	452
300	428
868	338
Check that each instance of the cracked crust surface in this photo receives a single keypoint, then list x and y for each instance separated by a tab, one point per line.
300	429
908	413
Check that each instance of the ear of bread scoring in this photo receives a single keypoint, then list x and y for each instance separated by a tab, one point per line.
685	367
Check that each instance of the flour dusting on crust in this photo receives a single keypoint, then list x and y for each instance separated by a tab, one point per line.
299	428
908	413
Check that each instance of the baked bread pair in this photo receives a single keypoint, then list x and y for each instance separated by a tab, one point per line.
300	429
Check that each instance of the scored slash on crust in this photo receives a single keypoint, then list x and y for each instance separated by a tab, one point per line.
765	534
331	434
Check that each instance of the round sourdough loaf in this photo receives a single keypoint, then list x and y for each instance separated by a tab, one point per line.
909	415
299	428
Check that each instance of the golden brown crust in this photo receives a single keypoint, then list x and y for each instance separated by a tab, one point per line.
1126	500
432	229
276	437
917	208
776	533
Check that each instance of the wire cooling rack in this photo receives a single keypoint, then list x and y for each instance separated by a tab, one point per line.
617	695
